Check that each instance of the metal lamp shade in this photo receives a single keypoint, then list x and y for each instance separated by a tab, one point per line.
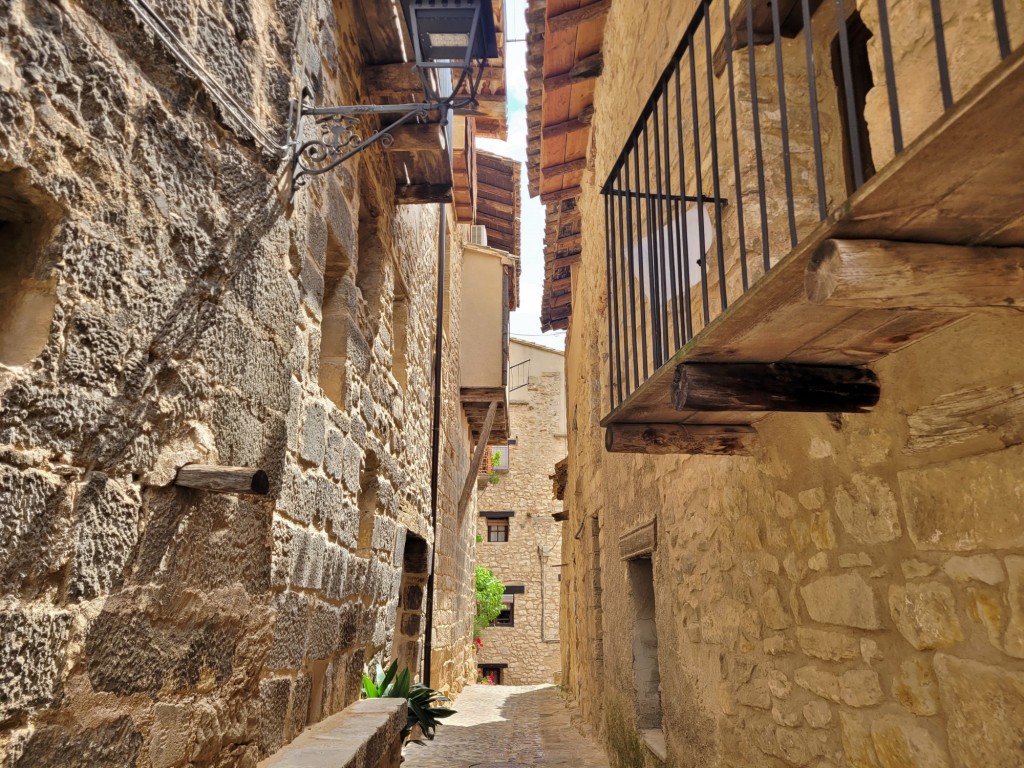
442	30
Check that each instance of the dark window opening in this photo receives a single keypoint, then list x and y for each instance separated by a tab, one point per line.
507	617
861	81
491	673
646	669
368	502
497	530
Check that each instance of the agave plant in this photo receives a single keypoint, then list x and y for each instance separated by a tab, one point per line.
391	684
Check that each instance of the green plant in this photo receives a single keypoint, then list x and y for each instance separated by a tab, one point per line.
495	478
479	538
391	684
489	592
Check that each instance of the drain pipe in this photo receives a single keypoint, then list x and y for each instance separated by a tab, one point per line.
435	444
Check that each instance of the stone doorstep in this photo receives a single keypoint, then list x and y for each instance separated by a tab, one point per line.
357	737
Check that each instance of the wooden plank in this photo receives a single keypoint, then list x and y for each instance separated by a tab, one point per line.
216	479
560	169
561	129
561	300
478	455
774	387
507	226
417	194
560	194
481	394
885	274
568	19
570	241
565	261
661	439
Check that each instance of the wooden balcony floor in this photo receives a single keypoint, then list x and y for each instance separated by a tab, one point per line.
961	182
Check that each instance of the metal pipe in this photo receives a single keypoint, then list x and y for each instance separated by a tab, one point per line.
435	444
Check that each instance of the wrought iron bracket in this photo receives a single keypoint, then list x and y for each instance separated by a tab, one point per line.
342	133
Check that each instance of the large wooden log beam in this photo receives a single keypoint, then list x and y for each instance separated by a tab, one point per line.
774	387
711	439
216	479
478	456
881	274
418	137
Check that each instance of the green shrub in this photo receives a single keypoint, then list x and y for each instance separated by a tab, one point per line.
488	599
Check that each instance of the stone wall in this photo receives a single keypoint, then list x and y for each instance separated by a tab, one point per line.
197	317
848	595
532	555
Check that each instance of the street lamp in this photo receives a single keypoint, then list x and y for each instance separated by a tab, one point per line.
458	35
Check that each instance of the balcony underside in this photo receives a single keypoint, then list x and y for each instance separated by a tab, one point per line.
475	402
962	182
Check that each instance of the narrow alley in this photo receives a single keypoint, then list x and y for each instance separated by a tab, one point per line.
506	726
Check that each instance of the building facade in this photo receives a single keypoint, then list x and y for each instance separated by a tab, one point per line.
787	584
164	303
519	539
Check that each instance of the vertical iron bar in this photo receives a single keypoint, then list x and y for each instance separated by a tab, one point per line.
616	225
627	270
812	83
723	293
640	254
687	305
784	123
698	172
940	54
671	225
660	226
851	110
652	268
1002	33
890	76
758	154
614	369
736	145
631	265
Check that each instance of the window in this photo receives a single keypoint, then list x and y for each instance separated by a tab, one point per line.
497	525
507	617
490	673
501	465
497	530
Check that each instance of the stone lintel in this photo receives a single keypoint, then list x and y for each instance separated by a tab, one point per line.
640	541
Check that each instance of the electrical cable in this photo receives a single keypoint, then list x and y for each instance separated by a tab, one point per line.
220	93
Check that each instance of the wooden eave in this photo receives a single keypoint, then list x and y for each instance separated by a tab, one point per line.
498	203
419	156
564	39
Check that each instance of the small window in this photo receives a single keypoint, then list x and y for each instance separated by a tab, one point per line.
499	458
490	674
507	617
497	529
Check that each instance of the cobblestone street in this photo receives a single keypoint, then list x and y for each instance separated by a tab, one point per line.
506	727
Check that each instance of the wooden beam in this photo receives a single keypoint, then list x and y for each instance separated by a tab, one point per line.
392	78
585	69
418	137
567	242
478	455
571	166
481	394
414	194
561	300
208	477
560	194
565	261
711	439
774	387
882	274
564	128
570	19
506	226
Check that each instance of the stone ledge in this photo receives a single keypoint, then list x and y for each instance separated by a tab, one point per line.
363	735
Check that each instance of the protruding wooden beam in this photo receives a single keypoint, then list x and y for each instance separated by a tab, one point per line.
711	439
564	128
418	137
565	261
881	274
585	69
478	455
210	477
774	387
561	300
560	194
569	241
570	19
571	166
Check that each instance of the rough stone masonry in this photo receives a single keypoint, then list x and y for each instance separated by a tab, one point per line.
163	305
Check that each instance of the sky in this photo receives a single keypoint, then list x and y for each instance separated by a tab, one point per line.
525	321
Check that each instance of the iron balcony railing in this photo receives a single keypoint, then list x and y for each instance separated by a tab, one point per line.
743	149
518	375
